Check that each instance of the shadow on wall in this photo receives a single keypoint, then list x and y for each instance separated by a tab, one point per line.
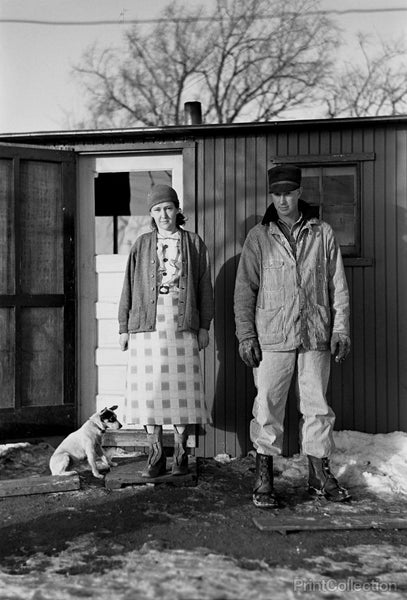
235	389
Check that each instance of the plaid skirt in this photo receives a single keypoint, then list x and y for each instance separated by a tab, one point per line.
164	378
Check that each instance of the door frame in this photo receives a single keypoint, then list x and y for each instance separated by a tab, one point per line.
86	258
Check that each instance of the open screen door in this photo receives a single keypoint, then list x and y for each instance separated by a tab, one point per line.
37	291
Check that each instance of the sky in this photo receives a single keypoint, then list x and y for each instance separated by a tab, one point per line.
38	92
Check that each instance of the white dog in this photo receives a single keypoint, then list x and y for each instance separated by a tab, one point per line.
85	443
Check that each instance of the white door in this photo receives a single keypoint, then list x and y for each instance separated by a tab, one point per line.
119	185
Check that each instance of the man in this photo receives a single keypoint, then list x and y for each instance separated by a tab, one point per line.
292	312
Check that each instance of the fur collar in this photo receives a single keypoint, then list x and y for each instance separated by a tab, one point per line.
309	212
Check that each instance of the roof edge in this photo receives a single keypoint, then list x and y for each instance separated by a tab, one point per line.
84	134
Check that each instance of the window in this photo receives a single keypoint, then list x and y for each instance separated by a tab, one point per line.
121	208
333	189
121	187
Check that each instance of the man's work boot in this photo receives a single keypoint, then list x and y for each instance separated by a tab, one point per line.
180	458
156	461
263	492
321	482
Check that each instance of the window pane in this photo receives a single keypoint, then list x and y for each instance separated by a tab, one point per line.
338	201
6	228
339	185
42	356
41	228
7	353
311	188
129	229
342	221
121	208
104	235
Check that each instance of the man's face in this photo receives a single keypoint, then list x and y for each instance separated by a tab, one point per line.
286	204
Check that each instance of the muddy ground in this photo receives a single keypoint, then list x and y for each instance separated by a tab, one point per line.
213	517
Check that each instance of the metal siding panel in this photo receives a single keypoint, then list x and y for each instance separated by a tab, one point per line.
357	355
244	222
262	165
325	142
336	142
252	218
207	433
392	331
282	143
401	199
303	142
368	303
346	376
292	140
236	421
380	281
220	417
206	203
314	142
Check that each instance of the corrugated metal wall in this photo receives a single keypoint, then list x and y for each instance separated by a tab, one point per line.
369	392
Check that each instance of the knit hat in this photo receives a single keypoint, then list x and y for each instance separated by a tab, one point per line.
284	178
162	193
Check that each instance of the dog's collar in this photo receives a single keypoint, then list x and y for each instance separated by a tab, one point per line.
102	429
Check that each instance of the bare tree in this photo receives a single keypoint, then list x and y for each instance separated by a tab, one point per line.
245	60
375	86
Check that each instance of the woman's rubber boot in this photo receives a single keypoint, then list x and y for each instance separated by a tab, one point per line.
263	492
321	481
156	461
180	458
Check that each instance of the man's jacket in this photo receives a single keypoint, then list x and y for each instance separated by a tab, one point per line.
138	301
290	302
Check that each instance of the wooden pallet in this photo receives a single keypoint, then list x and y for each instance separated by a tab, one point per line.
38	484
129	473
284	524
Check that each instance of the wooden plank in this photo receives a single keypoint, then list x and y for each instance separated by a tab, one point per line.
129	473
111	263
87	288
330	156
284	524
125	438
38	485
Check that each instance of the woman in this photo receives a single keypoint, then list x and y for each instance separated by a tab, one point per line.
165	311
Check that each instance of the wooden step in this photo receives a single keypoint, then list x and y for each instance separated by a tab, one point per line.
129	473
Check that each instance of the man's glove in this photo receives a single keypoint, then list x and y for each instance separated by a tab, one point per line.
250	352
340	346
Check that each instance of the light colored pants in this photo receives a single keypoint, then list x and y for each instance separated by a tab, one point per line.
272	379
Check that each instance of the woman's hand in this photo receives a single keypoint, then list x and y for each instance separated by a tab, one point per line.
203	338
124	341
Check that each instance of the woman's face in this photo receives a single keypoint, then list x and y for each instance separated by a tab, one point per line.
164	215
